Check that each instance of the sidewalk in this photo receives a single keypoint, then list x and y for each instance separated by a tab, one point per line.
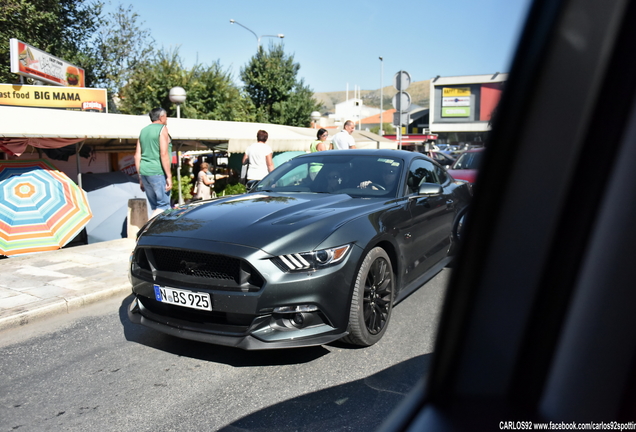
39	285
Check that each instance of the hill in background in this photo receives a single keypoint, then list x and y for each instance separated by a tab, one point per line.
419	92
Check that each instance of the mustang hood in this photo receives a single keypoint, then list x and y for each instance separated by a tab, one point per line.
266	221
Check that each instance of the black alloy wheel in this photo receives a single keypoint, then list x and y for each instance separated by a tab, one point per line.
372	300
457	235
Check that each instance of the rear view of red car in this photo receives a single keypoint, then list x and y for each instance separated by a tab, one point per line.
466	165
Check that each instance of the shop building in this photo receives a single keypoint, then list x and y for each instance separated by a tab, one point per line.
461	108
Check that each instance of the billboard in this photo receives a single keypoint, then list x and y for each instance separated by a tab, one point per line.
66	98
455	92
455	112
456	101
31	62
464	103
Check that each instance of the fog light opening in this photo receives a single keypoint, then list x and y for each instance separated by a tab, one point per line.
298	320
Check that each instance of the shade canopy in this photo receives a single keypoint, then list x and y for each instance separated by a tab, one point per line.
41	209
119	132
108	195
281	158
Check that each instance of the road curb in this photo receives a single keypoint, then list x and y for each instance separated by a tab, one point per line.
59	306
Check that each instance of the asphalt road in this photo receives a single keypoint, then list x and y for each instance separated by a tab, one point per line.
94	371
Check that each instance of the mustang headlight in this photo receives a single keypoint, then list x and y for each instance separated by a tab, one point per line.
314	260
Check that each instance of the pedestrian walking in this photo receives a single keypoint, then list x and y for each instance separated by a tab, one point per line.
152	159
343	139
259	156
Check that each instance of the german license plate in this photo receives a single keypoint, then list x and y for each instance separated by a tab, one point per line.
185	298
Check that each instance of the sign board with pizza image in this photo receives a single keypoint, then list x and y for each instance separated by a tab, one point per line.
31	62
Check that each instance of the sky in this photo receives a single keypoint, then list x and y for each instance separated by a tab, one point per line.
338	44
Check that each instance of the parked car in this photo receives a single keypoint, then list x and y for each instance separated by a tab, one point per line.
442	147
441	158
320	249
467	165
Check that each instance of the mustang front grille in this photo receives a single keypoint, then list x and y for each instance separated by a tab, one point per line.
220	271
196	264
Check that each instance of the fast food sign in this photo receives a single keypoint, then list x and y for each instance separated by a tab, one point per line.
31	62
67	98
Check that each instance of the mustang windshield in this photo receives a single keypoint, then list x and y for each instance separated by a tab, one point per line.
364	176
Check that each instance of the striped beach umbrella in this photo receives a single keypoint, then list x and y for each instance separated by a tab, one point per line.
41	209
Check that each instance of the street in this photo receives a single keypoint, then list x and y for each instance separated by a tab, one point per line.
92	370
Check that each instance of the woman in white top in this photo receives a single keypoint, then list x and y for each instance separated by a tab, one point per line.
204	182
259	155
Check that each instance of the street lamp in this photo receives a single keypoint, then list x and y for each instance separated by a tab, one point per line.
381	93
258	38
177	95
315	116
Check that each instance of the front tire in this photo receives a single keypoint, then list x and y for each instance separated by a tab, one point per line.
372	299
457	235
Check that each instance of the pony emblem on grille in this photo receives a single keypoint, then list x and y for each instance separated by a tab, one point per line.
189	267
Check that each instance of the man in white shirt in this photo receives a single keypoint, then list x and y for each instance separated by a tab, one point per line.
343	139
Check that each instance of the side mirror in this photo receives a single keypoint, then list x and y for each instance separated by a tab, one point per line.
430	189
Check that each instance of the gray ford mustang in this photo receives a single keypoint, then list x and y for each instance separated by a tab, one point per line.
319	250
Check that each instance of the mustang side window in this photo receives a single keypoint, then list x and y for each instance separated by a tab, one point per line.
441	175
421	171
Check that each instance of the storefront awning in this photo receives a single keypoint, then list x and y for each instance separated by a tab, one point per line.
118	132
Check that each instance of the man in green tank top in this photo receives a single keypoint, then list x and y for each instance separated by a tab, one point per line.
152	159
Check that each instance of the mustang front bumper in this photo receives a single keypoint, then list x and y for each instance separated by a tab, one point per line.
255	306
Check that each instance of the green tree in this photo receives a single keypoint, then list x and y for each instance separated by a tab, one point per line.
270	83
62	28
120	46
211	95
150	83
389	129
